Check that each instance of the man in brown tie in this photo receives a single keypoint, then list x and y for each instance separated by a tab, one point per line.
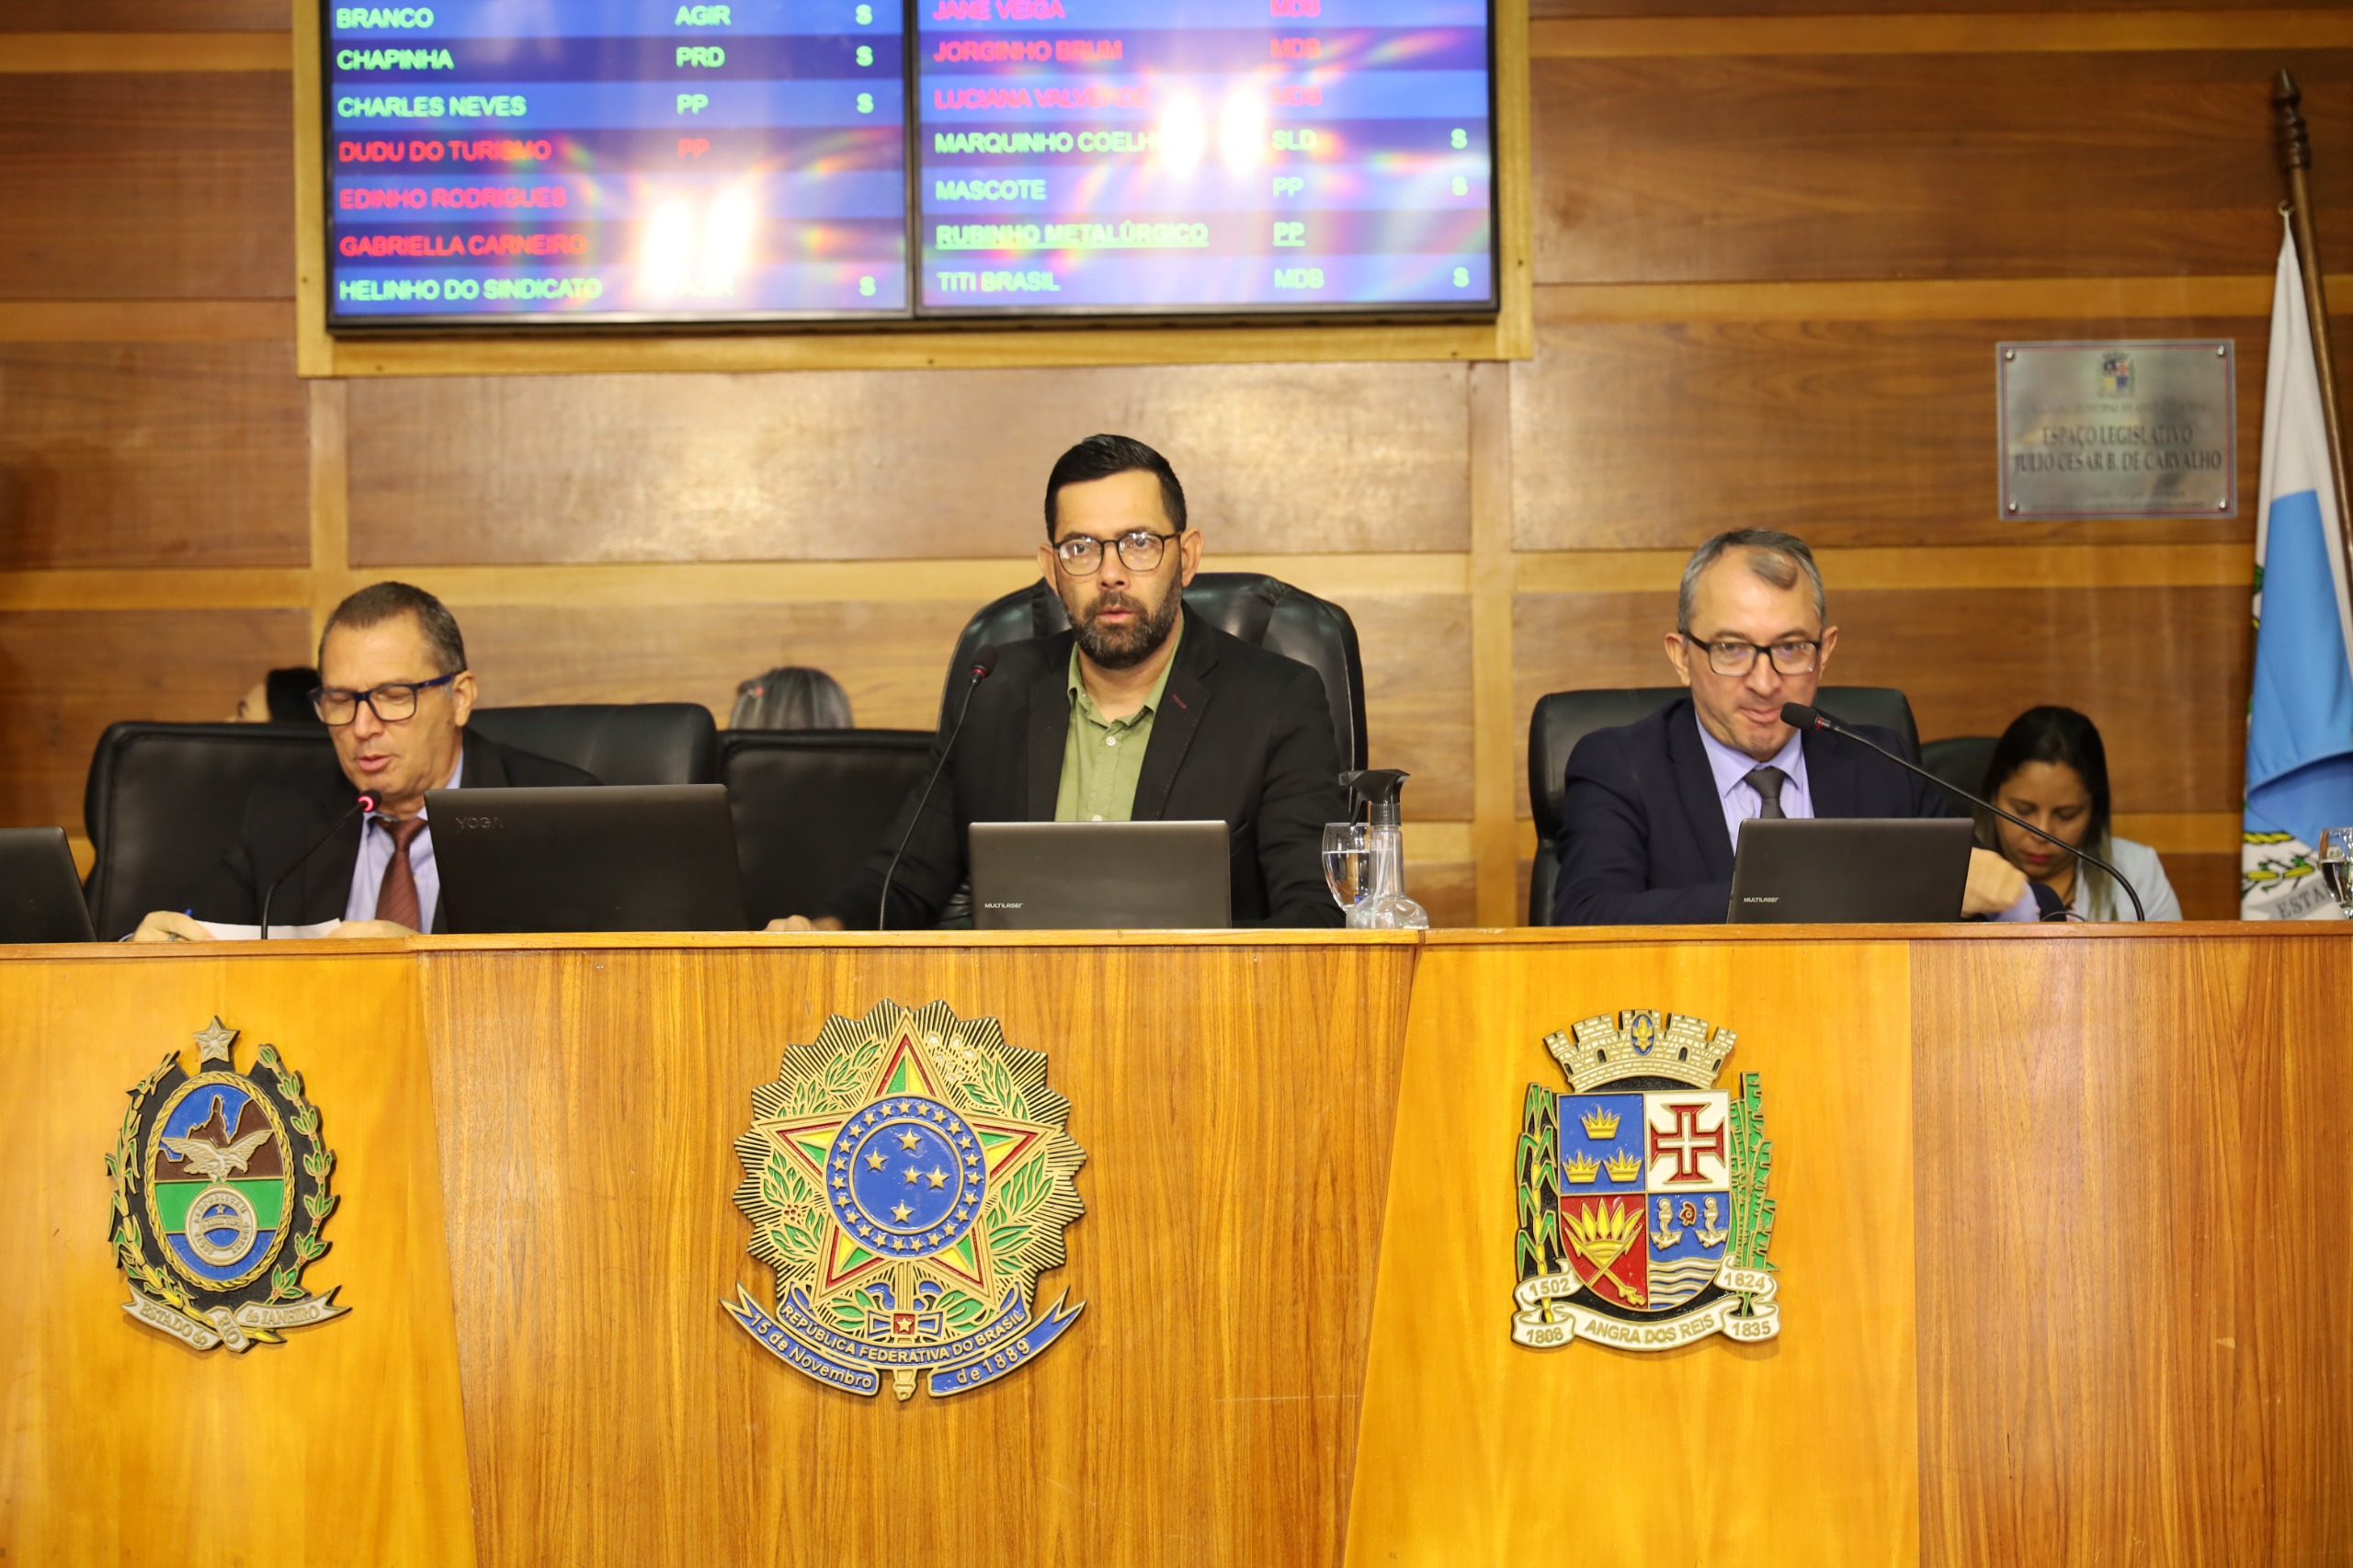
394	695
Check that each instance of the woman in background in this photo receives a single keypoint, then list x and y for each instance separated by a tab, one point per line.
790	698
2050	769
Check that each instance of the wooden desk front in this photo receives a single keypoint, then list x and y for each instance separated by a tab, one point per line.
2061	1244
2060	1239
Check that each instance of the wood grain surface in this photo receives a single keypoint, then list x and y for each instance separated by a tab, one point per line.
2130	1178
2161	671
144	455
1649	435
147	186
142	16
1795	1451
67	674
1960	166
1286	458
343	1445
1235	1102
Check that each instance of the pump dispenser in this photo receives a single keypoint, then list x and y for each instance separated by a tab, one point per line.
1385	906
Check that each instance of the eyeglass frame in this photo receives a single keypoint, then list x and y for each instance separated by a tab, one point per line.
1119	544
319	693
1708	645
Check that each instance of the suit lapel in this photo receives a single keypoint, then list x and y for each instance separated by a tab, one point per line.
1049	729
1831	786
1695	786
1182	702
325	881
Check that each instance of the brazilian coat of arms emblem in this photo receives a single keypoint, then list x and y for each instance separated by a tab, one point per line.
1643	1221
908	1177
221	1186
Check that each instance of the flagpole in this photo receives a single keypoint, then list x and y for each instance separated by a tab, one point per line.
2295	159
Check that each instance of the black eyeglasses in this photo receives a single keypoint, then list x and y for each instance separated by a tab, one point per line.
1792	655
1140	551
391	702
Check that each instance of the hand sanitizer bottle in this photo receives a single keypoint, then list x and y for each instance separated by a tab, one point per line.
1385	906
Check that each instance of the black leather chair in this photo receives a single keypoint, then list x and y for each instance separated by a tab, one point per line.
810	805
1561	719
620	743
163	802
1961	761
1254	607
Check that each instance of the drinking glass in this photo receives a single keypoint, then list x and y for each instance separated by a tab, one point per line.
2335	861
1348	862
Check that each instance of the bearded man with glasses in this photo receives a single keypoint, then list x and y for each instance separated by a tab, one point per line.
1140	712
395	694
1654	808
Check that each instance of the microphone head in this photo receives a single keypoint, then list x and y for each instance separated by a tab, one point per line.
1798	716
982	663
367	802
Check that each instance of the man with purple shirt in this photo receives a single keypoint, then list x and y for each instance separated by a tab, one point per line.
1654	809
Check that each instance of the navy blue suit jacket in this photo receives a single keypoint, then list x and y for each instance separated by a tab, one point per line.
1645	841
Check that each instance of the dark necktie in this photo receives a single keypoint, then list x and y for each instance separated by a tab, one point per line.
1767	782
396	899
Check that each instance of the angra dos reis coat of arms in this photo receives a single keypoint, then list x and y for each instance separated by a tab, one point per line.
908	1177
221	1184
1643	1221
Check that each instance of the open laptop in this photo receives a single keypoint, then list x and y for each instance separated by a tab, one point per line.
617	858
1093	875
41	893
1847	871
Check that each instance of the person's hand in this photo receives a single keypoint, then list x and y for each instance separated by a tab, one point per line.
803	923
1993	885
170	926
385	928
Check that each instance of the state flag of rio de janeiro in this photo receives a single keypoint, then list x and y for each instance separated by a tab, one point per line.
2300	721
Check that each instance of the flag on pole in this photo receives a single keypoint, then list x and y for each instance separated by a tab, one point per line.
2300	720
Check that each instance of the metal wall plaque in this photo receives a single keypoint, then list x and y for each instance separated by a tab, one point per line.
2119	429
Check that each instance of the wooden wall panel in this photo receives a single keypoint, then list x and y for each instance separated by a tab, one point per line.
2163	671
2105	1114
2208	885
1657	435
147	186
892	657
142	16
67	674
879	465
1417	696
154	454
1981	165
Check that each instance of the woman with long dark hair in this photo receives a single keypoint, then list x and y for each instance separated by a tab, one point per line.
2050	769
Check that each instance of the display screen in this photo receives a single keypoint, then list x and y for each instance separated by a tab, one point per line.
583	162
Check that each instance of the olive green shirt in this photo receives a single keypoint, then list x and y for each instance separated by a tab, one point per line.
1102	758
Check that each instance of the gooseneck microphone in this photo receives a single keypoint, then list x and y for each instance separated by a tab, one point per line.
982	664
1798	716
364	804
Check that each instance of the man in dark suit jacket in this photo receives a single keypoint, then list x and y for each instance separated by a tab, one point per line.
395	698
1652	807
1227	732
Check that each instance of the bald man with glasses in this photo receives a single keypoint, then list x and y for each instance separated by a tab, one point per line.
395	694
1654	809
1142	712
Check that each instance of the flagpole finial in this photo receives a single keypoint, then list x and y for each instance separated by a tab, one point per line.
2295	146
